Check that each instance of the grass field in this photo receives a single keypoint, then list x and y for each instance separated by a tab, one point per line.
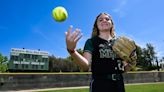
153	87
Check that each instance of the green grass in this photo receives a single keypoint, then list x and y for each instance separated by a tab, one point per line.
155	87
158	87
69	90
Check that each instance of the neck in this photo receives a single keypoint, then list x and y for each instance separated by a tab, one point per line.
105	35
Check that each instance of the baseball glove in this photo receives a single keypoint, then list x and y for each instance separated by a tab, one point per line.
125	48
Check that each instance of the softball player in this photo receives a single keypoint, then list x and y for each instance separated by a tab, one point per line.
106	66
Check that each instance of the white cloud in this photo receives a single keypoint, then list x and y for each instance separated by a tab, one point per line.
138	41
119	9
38	31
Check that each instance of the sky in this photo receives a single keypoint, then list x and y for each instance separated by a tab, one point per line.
29	24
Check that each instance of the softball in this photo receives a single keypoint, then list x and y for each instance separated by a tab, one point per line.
60	14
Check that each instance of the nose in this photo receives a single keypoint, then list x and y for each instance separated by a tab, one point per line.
104	19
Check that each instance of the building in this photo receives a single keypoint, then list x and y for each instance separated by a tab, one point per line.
28	60
162	66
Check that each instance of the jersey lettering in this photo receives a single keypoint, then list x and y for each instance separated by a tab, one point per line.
106	53
120	65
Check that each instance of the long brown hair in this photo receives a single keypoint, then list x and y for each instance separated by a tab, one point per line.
95	31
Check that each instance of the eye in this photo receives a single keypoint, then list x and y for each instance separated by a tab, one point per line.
100	19
107	19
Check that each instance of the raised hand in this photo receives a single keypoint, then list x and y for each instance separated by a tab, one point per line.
72	38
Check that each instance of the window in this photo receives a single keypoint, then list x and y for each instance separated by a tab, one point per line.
33	66
16	66
42	66
45	59
27	56
26	66
15	58
22	66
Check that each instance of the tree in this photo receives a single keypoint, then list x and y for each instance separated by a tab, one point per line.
62	65
146	57
139	55
3	63
151	53
70	58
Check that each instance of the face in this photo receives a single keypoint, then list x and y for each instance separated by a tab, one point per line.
104	22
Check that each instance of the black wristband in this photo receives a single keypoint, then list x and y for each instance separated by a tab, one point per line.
71	51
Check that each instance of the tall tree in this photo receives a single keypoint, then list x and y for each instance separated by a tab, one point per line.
150	53
3	63
146	57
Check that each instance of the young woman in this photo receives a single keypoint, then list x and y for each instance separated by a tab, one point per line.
106	66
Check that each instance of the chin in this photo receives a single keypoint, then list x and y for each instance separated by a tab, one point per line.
106	29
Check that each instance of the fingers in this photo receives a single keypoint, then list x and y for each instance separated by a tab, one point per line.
78	37
73	37
75	33
69	31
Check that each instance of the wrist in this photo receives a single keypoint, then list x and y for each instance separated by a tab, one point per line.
71	51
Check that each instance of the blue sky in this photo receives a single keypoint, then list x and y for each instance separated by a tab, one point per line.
29	23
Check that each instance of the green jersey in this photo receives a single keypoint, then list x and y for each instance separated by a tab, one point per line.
104	60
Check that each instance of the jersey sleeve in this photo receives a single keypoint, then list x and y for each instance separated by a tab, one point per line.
88	46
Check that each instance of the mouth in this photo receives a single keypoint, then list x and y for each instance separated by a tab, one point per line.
104	24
